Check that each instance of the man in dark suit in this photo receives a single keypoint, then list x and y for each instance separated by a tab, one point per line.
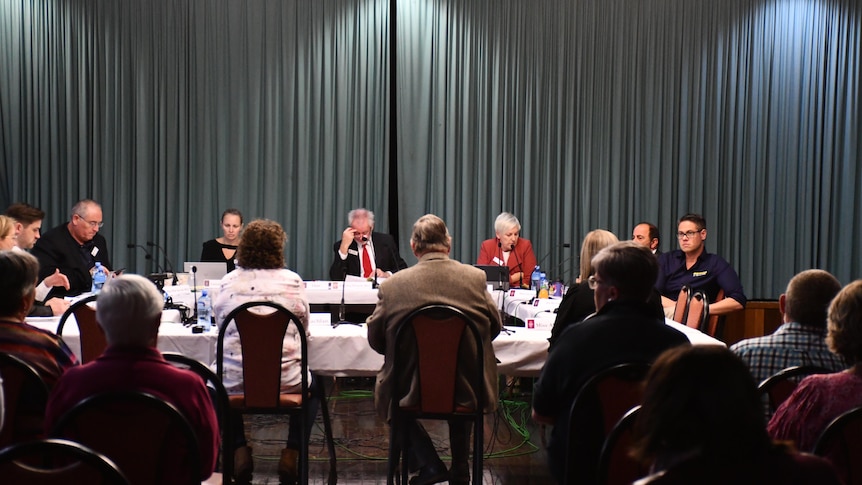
363	252
436	279
74	248
646	234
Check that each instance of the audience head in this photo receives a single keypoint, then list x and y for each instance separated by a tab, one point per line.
623	271
129	309
646	234
507	228
807	297
430	235
86	220
362	221
691	232
8	236
699	400
18	284
594	242
28	222
261	245
231	224
845	323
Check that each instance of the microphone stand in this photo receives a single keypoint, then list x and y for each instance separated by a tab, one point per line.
195	290
169	265
147	255
512	248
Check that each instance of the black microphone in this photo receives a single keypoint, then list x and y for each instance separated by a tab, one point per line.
170	266
512	249
560	266
341	320
147	255
500	248
565	245
195	289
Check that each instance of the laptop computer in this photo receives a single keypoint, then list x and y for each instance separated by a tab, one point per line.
205	271
495	276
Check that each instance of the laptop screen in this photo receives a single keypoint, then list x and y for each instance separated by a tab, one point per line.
496	276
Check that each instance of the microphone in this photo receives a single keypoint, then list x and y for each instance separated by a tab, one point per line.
147	255
564	245
195	290
170	266
560	266
500	248
512	249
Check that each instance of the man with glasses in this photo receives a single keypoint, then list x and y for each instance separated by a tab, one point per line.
692	266
74	248
625	328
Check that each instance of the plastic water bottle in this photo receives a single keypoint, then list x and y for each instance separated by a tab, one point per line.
204	310
536	279
99	278
543	287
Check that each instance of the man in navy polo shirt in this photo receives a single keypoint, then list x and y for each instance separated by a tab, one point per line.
692	266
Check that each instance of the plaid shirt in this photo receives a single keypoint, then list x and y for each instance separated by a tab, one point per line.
792	344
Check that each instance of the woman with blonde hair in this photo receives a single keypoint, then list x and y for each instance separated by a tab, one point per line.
8	238
578	302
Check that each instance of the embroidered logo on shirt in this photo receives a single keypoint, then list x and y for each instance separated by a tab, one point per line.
699	273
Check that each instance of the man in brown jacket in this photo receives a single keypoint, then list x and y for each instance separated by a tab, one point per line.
436	279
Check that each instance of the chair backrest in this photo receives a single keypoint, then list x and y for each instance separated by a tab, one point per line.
261	369
57	461
715	323
600	403
698	311
92	336
436	335
841	443
781	385
147	437
25	395
680	310
211	380
615	464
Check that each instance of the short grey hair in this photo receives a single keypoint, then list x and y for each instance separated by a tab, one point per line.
506	221
129	309
628	266
20	270
82	207
360	213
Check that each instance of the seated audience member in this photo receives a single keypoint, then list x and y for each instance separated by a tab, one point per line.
509	249
625	328
261	276
692	266
223	249
647	235
801	339
74	248
578	303
129	311
41	349
819	399
8	236
435	279
701	423
363	252
28	224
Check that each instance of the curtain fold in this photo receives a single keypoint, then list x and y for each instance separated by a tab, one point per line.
574	115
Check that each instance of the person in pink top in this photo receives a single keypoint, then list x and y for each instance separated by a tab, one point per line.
821	398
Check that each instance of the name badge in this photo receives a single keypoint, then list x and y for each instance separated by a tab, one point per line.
353	252
498	261
95	251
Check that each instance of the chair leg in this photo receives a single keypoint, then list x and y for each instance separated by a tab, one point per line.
394	453
327	430
478	448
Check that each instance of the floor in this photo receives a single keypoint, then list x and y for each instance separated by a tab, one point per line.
513	454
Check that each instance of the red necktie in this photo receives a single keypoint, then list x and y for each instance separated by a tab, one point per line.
366	262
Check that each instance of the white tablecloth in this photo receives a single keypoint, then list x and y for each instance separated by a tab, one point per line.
340	351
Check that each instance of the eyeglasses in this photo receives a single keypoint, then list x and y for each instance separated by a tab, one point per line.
92	224
594	282
687	234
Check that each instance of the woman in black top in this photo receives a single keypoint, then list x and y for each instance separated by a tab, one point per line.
223	249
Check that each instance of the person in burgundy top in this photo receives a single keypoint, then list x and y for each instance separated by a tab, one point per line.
129	310
507	248
823	397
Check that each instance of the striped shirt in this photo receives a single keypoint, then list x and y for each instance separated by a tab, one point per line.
43	350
